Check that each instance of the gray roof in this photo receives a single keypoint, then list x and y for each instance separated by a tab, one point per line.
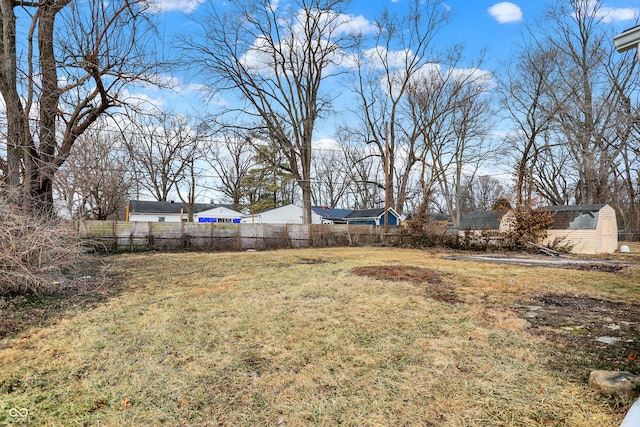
152	207
482	220
366	213
332	213
576	208
576	217
344	214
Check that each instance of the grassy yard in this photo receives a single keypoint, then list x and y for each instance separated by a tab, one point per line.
341	336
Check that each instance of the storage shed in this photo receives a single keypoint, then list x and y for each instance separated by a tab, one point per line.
485	220
591	229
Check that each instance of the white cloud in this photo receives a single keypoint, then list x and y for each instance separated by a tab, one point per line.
506	12
479	77
612	14
431	77
186	6
259	57
379	57
339	24
327	144
142	100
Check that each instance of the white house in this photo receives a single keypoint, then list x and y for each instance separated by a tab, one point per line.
290	214
152	211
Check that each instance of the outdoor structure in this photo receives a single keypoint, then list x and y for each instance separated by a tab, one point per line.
486	221
289	214
590	229
152	211
357	216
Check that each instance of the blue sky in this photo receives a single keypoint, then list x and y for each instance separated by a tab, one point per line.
479	25
491	26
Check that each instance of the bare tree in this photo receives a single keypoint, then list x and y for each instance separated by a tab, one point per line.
231	157
95	182
364	175
276	58
451	111
593	92
482	193
403	49
79	57
555	179
331	178
162	146
527	100
466	151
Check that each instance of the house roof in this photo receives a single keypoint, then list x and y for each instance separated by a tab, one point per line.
152	207
366	213
482	220
332	213
351	214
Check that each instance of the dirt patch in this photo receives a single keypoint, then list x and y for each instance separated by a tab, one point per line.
589	333
601	266
435	287
530	260
312	261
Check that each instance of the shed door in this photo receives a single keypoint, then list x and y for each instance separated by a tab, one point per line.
608	242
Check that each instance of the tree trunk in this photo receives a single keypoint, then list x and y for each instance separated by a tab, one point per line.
8	86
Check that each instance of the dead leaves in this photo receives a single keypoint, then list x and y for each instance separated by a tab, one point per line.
97	405
126	403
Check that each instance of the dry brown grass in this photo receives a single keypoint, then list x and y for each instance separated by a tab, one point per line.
296	338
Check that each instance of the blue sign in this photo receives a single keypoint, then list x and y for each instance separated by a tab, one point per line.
205	219
236	220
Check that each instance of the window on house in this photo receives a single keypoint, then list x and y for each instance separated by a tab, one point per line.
160	219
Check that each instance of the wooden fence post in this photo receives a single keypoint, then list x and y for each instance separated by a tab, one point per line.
239	239
213	232
115	237
150	240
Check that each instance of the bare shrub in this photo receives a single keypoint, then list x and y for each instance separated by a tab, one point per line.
528	225
419	234
561	245
35	252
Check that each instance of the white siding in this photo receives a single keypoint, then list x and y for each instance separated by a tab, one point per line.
583	241
604	239
155	217
219	213
290	214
